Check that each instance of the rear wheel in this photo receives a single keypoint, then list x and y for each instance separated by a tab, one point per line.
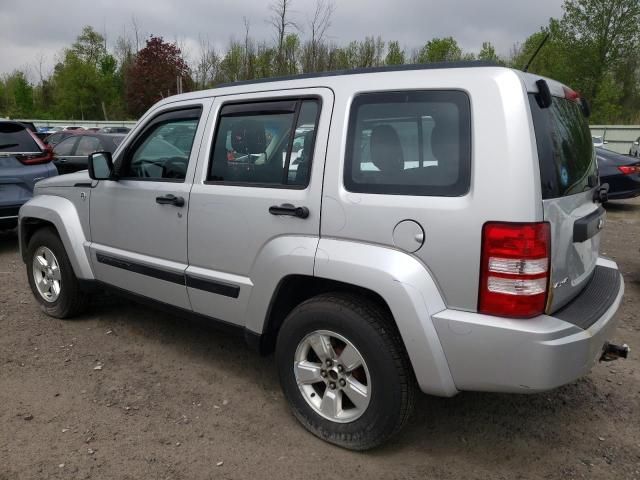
344	370
51	277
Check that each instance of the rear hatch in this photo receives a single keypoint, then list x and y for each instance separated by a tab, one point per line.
22	159
569	178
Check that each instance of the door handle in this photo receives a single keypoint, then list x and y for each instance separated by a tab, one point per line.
288	209
170	200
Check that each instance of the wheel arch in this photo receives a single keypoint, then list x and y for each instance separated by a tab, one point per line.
395	280
61	215
292	290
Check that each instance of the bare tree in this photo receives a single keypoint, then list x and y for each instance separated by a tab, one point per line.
282	23
136	32
208	63
248	48
319	24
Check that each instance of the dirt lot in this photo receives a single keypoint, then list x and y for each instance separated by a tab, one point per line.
174	399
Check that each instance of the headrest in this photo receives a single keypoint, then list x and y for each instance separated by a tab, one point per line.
445	141
386	149
248	136
308	143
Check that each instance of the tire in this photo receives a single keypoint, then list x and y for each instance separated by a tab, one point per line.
69	301
386	374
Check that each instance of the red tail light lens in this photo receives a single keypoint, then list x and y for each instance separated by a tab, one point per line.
629	169
514	269
45	156
36	159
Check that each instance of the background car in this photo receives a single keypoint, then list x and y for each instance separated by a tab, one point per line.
620	172
24	160
634	151
598	141
115	130
71	155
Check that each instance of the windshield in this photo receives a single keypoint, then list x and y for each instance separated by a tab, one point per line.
16	138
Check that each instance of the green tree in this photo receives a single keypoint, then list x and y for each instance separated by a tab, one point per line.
440	50
488	53
395	55
17	94
87	82
599	33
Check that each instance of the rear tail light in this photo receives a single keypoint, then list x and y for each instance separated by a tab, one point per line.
514	269
629	169
45	156
36	158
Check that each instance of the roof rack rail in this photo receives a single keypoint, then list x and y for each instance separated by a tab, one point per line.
356	71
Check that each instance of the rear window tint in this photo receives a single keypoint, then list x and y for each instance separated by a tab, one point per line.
16	139
409	143
565	148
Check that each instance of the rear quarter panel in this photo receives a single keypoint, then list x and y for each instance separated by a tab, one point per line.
505	182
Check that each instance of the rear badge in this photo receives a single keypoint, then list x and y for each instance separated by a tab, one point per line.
561	282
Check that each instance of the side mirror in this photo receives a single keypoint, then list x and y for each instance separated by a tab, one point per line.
605	142
101	166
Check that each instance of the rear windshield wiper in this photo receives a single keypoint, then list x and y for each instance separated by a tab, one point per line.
7	145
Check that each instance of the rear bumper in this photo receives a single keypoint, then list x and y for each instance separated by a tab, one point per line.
622	186
488	353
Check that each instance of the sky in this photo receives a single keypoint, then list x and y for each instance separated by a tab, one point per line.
34	32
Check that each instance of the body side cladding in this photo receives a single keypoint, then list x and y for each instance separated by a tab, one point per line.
217	287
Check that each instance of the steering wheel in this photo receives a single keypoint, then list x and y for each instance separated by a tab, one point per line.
174	167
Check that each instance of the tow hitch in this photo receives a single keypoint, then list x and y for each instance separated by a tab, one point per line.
611	351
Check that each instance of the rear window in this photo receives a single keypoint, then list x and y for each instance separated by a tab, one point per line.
16	138
565	148
409	143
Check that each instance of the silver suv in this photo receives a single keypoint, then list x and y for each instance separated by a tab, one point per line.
434	227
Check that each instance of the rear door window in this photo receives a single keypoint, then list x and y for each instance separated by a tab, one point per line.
65	147
565	148
409	143
87	145
265	144
16	138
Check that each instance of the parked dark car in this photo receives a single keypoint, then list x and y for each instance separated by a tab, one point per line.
71	155
621	172
56	138
114	130
24	160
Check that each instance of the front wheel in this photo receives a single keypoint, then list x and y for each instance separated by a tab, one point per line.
344	370
51	277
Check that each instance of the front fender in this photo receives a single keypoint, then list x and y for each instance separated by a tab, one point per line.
411	294
63	215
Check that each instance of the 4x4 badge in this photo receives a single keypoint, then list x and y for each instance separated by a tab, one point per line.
561	282
83	196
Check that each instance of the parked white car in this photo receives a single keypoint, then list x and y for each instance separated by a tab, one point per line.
634	151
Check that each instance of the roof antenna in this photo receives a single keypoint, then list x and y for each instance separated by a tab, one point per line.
544	40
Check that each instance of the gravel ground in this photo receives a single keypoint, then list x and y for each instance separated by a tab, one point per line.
175	400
